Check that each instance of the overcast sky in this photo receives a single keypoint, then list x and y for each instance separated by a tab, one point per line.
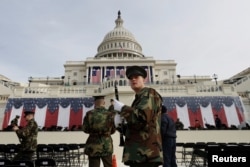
204	37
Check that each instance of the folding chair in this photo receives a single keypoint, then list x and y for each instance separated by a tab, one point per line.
243	143
45	162
44	151
222	145
4	162
245	147
52	145
2	147
62	155
200	145
232	143
233	148
199	158
212	148
11	150
211	143
75	154
84	159
25	163
199	155
187	152
179	151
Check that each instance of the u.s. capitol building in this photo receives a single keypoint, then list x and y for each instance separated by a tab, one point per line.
63	101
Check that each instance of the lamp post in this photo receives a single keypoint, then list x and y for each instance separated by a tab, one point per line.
84	79
47	80
30	80
215	77
195	79
156	78
62	77
179	76
68	80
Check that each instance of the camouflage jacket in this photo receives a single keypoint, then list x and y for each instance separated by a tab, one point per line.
28	136
142	137
99	124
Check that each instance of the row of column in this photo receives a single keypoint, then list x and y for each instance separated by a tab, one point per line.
98	74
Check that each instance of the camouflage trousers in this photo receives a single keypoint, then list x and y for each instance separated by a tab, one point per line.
95	161
152	164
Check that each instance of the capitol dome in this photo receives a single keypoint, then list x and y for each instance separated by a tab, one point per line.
119	43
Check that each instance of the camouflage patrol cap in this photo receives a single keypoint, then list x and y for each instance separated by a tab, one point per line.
27	112
136	70
98	97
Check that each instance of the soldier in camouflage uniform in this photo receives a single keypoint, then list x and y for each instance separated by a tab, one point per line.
14	122
99	124
111	107
143	146
27	137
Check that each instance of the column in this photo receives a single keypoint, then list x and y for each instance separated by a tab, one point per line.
90	76
115	70
105	71
151	75
101	74
148	75
86	76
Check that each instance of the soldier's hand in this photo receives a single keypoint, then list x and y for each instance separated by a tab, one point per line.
15	128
